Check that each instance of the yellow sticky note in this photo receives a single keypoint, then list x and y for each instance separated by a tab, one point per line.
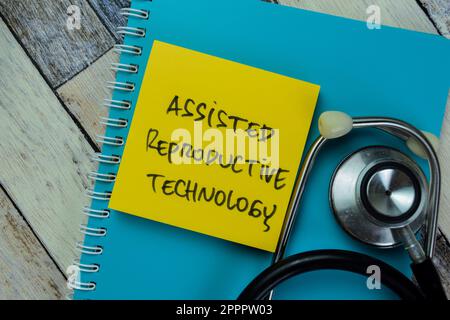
214	146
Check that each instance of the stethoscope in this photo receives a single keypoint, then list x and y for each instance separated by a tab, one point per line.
379	196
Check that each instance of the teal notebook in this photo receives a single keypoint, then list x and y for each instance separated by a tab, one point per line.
386	72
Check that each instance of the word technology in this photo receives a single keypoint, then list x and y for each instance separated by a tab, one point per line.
192	191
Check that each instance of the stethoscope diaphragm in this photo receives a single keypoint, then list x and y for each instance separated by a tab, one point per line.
377	191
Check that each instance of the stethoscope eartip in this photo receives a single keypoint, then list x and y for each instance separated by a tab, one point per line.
418	149
335	124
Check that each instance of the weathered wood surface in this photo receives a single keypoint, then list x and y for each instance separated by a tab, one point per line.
84	94
439	11
27	272
60	53
44	158
444	156
442	261
397	13
108	12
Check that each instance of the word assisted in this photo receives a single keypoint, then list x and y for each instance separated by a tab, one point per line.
192	191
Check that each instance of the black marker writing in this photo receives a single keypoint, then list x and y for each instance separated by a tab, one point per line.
193	192
168	149
217	117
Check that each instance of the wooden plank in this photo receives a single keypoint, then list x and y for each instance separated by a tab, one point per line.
398	13
442	261
108	10
27	272
59	52
84	94
44	158
439	11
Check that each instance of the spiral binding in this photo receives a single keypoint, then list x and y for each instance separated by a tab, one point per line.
137	13
117	141
130	68
121	86
110	141
106	159
100	214
117	104
102	177
90	250
124	48
95	232
87	267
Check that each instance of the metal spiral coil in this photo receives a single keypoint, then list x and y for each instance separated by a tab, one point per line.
116	123
131	31
95	195
110	141
135	13
90	250
112	159
94	213
83	286
117	104
120	86
129	68
90	268
105	159
124	48
95	232
102	177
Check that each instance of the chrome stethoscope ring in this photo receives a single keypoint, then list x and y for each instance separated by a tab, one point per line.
375	192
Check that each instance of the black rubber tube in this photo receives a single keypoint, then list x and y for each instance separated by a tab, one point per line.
304	262
429	281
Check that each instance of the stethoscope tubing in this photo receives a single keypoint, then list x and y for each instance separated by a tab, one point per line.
342	260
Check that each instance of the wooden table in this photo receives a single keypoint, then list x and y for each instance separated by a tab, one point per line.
51	90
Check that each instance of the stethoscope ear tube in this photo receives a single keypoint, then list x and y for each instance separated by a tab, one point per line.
354	262
428	279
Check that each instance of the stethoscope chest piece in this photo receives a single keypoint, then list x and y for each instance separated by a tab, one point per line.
377	191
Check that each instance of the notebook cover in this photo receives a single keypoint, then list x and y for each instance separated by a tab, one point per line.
361	71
